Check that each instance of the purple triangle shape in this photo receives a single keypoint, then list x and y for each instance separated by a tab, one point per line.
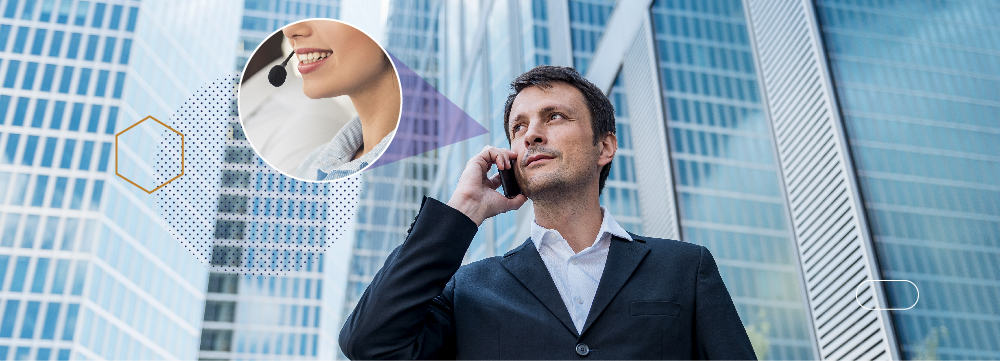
429	120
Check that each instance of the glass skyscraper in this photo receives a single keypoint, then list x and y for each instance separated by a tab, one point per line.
88	270
917	84
252	317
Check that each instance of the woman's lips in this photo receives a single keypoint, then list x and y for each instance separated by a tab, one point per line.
308	68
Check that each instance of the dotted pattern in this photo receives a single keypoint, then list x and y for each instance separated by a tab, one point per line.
230	209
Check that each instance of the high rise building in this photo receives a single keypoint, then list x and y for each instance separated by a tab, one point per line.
89	271
252	316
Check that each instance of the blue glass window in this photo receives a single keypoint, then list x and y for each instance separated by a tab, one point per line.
109	48
84	84
11	149
70	324
4	260
23	353
12	68
102	83
58	192
20	111
57	115
76	117
74	45
10	229
30	229
64	355
59	279
77	201
20	189
29	10
95	198
20	39
67	79
20	274
28	325
11	9
81	13
85	155
41	271
9	317
67	157
91	47
64	8
51	318
105	154
39	42
119	84
95	118
47	7
126	49
56	46
133	16
50	151
44	353
98	20
4	35
4	105
29	76
69	237
29	150
116	17
49	237
112	119
48	77
40	106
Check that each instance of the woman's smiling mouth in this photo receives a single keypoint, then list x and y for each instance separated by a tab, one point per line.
311	59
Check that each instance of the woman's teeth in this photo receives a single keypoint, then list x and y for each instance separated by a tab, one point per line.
311	57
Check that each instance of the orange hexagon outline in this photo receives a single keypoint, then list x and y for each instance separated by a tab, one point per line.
129	180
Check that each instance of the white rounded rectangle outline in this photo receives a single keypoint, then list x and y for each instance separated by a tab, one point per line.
856	295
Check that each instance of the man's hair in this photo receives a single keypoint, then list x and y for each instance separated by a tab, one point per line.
602	113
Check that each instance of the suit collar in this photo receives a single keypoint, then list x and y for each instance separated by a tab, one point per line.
623	258
526	265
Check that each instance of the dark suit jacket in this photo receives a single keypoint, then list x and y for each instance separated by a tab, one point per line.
656	299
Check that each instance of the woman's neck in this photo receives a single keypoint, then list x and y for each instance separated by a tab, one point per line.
378	108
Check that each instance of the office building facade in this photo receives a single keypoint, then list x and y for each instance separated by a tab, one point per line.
90	271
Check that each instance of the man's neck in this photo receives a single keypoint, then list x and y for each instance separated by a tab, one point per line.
378	108
575	215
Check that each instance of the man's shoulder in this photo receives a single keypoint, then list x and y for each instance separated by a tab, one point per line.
669	246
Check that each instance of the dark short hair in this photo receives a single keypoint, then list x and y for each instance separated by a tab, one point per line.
602	113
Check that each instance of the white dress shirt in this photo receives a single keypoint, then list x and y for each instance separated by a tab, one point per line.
576	275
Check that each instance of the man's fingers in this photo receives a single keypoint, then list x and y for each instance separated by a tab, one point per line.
495	181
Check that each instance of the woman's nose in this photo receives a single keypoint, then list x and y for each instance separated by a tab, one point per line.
297	30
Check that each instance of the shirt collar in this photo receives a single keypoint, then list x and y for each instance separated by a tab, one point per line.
608	225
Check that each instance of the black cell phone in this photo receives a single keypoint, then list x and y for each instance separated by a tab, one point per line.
509	183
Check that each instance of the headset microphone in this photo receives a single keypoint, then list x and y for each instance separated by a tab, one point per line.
277	74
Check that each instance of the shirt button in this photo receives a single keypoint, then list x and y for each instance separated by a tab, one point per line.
582	349
579	300
574	262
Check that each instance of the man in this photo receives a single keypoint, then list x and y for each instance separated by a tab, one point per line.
579	287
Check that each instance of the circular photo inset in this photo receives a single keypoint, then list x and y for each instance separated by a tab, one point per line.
319	100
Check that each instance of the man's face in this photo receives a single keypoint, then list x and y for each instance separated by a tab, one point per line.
550	130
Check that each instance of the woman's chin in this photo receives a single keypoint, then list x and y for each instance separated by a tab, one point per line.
318	93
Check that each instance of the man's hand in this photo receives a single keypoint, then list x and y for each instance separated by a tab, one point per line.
476	195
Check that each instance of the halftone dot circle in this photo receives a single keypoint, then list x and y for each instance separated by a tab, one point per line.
234	212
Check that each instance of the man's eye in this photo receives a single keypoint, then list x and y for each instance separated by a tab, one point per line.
556	116
516	128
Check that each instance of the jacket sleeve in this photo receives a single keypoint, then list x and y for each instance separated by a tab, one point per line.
719	333
406	312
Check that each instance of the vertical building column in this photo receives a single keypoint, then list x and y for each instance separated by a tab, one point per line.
654	174
831	234
559	35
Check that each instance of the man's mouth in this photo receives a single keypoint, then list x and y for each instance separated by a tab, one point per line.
536	158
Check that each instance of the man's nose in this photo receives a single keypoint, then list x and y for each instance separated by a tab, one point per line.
535	134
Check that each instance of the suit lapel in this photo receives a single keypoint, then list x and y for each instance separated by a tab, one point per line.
527	266
623	258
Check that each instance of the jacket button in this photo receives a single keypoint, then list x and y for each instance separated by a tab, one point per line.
582	349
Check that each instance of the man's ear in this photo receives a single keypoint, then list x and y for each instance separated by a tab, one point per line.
608	147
